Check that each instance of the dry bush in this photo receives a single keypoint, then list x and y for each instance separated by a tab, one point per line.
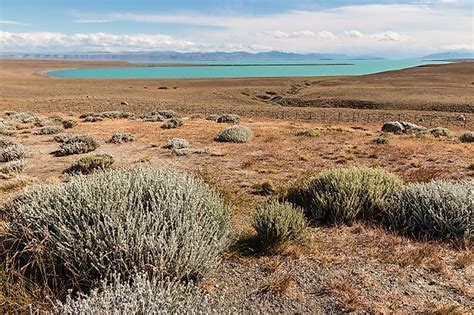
212	117
307	133
93	119
116	115
49	130
346	195
467	137
440	132
121	137
278	223
380	140
152	118
15	166
76	144
236	133
91	163
172	123
176	144
437	210
72	235
228	118
10	151
70	123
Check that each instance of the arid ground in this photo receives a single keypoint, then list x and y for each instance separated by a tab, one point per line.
358	268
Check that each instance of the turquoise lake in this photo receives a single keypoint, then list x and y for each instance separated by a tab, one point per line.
244	70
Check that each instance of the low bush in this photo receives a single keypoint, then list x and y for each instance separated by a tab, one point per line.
467	137
380	140
120	137
172	123
76	144
143	296
440	132
176	143
10	151
152	118
180	152
346	195
437	210
228	118
70	123
93	119
22	118
212	117
168	114
164	222
117	115
87	114
91	163
277	223
49	130
307	133
15	166
236	133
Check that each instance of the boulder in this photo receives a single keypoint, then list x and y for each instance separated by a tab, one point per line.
393	127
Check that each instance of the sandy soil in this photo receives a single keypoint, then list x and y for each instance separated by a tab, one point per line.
342	269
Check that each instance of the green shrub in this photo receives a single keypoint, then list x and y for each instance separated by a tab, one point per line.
161	221
346	195
176	143
307	133
438	210
10	151
277	223
467	137
236	133
91	163
228	118
49	130
120	137
70	123
172	123
76	144
440	132
143	296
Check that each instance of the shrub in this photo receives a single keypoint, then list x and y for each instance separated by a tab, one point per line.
467	137
277	223
212	117
77	144
93	119
161	221
438	210
90	163
70	123
172	123
15	166
176	143
307	133
346	195
87	114
180	152
49	130
116	115
168	114
236	133
22	117
152	118
228	118
440	132
10	151
142	296
120	137
380	140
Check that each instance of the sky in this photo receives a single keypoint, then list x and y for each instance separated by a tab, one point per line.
383	28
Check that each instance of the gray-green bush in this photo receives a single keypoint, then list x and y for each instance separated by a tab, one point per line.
176	143
236	133
121	137
10	151
143	296
76	144
93	119
212	117
152	117
15	166
49	130
228	118
438	210
172	123
277	223
117	115
346	195
164	222
69	123
168	113
91	163
440	132
467	137
307	133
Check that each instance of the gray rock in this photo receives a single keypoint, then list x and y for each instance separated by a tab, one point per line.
393	127
412	128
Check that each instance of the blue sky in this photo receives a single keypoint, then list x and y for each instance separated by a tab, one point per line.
388	28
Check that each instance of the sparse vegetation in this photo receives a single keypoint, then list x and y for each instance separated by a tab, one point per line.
212	117
76	144
152	117
228	118
10	151
439	209
346	195
380	140
15	166
167	114
440	132
176	144
91	163
49	130
307	133
467	137
235	133
93	119
161	221
121	137
69	123
277	223
116	115
172	123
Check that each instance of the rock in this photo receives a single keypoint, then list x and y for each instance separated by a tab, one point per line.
393	126
461	118
124	103
412	128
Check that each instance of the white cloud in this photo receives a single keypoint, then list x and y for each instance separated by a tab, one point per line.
297	34
86	21
84	42
9	22
354	34
388	36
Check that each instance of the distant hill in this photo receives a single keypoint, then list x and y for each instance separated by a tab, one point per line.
175	57
451	55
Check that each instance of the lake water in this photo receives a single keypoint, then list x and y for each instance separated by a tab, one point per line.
245	70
